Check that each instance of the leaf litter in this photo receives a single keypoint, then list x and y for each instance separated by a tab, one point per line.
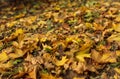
64	39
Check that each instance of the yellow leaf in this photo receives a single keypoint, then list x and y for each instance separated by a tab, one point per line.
116	76
88	44
46	47
98	26
16	54
73	38
61	62
117	70
31	19
81	57
48	15
108	57
114	37
116	27
11	24
5	65
3	57
57	8
118	52
47	76
82	54
41	22
43	39
89	25
61	20
117	19
18	31
55	15
19	16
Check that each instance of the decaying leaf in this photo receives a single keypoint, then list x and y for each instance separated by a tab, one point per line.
106	57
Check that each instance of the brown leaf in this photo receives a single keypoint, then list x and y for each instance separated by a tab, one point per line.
98	26
66	27
107	57
33	73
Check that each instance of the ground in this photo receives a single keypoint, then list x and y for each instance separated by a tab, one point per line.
64	39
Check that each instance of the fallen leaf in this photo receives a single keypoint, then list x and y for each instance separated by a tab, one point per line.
18	31
47	76
78	78
82	54
107	57
88	44
117	70
78	67
20	74
116	27
16	54
98	26
73	38
117	19
4	66
114	37
19	16
3	57
11	24
33	73
118	53
62	61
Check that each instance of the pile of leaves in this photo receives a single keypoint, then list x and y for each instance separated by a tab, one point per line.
65	39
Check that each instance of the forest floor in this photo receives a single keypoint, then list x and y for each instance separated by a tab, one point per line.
65	39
